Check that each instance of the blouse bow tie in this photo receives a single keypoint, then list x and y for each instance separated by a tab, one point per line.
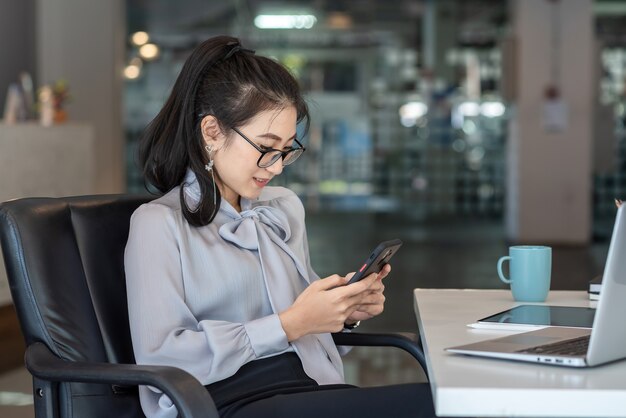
266	229
242	231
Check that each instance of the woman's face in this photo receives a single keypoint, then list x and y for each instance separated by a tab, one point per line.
235	160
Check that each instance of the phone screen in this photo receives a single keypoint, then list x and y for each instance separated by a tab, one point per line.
377	259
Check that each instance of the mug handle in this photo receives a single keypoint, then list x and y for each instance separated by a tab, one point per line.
500	273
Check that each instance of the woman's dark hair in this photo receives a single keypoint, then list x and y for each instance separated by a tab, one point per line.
221	79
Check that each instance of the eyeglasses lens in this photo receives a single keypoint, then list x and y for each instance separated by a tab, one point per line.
270	158
292	156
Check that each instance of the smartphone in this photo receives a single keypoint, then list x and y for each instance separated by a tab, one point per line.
377	259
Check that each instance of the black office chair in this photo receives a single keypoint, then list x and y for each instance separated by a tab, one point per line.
64	261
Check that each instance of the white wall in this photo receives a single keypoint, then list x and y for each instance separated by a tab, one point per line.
549	173
44	162
83	41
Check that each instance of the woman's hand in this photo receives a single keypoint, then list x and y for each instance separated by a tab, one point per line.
374	303
327	304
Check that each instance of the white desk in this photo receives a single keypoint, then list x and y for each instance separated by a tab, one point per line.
468	386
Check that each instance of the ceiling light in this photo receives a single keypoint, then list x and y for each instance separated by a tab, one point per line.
132	72
469	109
411	112
301	21
149	52
492	109
140	38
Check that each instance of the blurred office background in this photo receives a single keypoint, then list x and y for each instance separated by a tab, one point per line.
459	126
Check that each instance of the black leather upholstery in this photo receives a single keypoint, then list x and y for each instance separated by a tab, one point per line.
64	260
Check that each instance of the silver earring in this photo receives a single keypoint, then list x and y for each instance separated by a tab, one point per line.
209	165
209	168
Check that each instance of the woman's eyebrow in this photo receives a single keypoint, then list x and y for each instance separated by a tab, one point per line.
270	135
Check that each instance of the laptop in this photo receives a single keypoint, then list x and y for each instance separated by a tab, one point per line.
574	347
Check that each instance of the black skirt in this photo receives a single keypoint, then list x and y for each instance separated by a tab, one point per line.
264	378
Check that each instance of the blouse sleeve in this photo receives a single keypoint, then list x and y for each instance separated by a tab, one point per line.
164	330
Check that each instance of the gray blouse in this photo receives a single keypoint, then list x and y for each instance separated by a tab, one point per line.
207	299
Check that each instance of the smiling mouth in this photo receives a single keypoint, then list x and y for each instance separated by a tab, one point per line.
262	181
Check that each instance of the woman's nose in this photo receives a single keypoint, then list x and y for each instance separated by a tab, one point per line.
276	168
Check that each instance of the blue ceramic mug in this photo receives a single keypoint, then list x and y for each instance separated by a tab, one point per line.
530	268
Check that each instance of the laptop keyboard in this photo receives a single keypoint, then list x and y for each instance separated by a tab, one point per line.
574	347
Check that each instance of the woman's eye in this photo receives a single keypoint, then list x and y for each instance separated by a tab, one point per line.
264	148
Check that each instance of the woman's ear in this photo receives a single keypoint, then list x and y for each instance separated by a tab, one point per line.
211	131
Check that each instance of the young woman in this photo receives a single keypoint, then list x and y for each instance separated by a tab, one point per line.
218	272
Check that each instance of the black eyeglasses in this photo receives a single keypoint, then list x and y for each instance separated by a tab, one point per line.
270	155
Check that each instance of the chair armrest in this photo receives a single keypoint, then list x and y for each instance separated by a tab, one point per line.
190	397
407	341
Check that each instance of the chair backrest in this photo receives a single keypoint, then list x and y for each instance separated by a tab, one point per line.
65	264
